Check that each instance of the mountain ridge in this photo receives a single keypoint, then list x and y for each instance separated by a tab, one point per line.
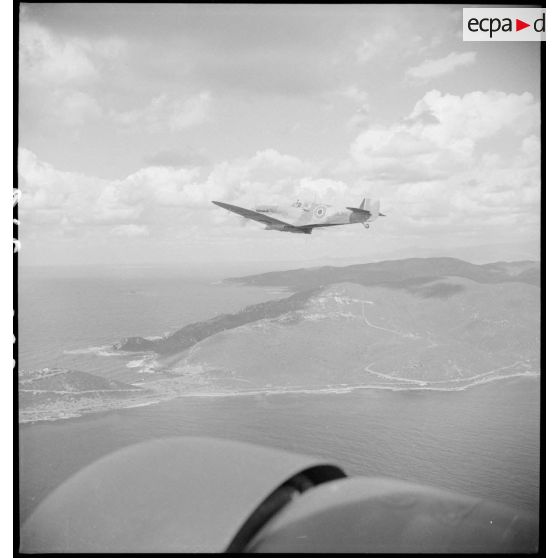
374	273
411	274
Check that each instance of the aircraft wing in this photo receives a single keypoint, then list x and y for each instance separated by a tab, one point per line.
318	226
249	214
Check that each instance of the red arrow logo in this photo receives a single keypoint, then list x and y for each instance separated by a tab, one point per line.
519	25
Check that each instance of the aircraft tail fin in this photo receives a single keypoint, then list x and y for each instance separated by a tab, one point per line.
373	207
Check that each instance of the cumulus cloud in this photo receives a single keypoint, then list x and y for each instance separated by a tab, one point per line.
475	199
361	118
334	191
190	111
74	107
531	148
458	163
354	93
67	198
439	175
374	44
131	230
433	68
162	186
440	134
164	112
185	156
427	167
45	58
71	106
160	197
58	74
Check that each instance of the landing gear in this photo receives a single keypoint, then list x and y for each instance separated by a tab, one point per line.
366	225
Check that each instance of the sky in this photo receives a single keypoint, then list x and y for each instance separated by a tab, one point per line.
132	118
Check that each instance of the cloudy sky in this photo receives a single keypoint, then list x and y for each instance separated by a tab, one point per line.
132	118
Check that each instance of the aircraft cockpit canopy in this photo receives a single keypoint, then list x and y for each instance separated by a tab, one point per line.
302	205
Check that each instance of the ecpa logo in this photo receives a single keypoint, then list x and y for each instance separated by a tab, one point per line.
504	24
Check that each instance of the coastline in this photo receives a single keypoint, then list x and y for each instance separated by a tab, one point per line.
372	432
151	397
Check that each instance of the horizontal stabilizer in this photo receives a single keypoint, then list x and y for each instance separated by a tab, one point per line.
359	210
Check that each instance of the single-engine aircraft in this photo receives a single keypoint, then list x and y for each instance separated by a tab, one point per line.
304	217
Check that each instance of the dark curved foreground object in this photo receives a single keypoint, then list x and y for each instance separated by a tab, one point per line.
209	495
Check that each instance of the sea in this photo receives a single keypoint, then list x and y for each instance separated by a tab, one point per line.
482	440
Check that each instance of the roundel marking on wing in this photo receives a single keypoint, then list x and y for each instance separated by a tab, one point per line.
319	212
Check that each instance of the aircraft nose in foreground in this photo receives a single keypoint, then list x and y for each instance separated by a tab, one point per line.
210	495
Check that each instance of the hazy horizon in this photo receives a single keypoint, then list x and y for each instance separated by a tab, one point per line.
250	266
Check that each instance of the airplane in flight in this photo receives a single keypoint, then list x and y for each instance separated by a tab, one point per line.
304	217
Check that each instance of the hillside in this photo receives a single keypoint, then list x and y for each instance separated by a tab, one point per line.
412	324
437	322
388	271
428	333
416	275
191	334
